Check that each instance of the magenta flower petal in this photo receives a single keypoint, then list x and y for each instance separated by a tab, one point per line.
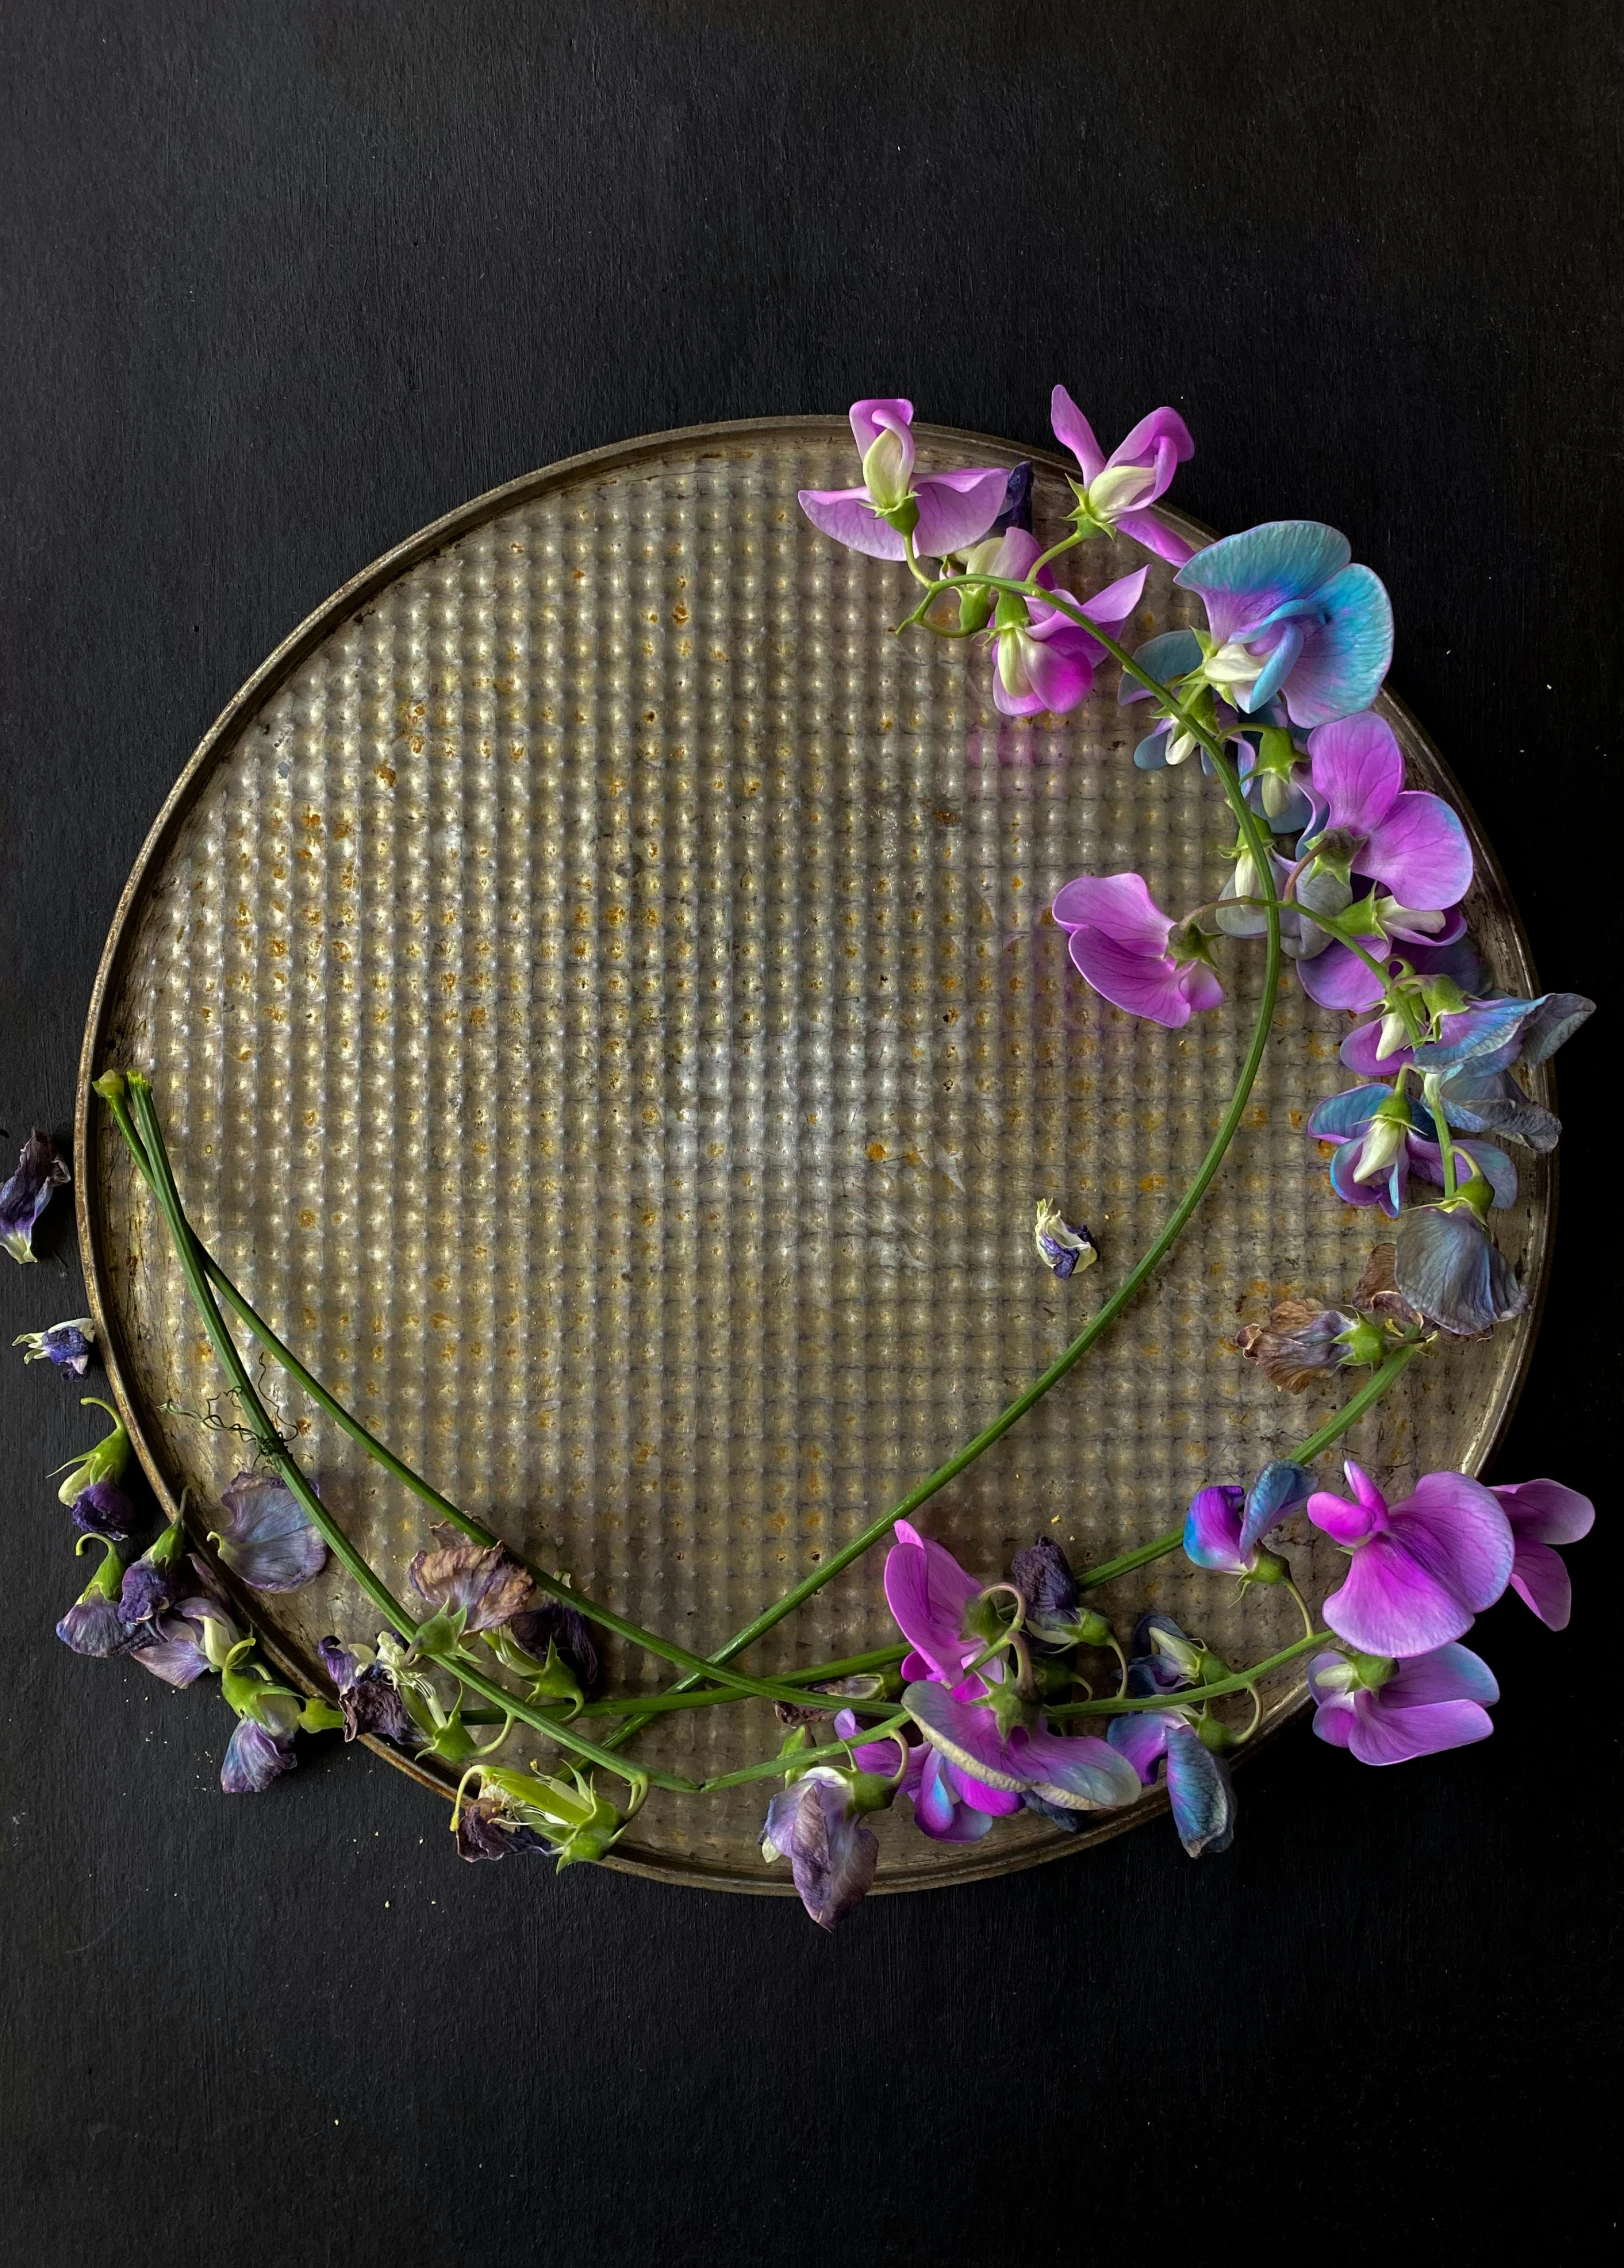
1114	602
1346	1524
1212	1530
1337	978
990	1802
1396	1736
1073	431
939	1813
1454	1529
848	516
1134	981
1161	439
967	1736
1119	904
1153	532
957	508
1357	768
1541	1580
1390	1604
877	414
927	1591
1419	852
1059	669
1545	1512
1141	1739
1200	985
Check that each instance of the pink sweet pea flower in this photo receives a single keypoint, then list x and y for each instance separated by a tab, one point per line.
1043	659
1121	487
1543	1513
954	509
1421	1569
928	1591
1122	943
1435	1701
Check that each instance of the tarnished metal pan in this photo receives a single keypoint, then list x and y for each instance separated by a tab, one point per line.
594	980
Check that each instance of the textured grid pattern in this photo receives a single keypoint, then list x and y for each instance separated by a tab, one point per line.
603	1015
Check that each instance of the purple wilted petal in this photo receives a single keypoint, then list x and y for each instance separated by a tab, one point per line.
367	1694
550	1622
1450	1270
66	1346
265	1538
1043	1576
1016	510
1201	1793
40	1173
832	1857
171	1646
1212	1530
485	1830
94	1626
957	508
1076	1774
254	1758
482	1581
927	1591
103	1509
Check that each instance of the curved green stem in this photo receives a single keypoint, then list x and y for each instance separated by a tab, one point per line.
1239	1681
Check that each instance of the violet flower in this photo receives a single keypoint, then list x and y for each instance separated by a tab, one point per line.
944	512
40	1173
1061	1247
1226	1525
1543	1513
477	1586
1468	1064
1421	1569
68	1346
94	1625
265	1537
1287	614
832	1856
1199	1788
368	1694
258	1753
180	1643
1044	661
1132	953
1451	1272
1382	1138
1386	1712
1119	489
92	1492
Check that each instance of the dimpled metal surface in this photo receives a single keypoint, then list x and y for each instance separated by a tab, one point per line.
596	984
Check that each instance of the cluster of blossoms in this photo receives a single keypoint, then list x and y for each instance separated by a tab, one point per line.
1013	1695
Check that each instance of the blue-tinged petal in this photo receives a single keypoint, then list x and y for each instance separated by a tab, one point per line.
1497	1105
1484	1029
1212	1529
1202	1795
1170	654
1141	1739
1151	753
1278	1489
965	1733
264	1536
1344	660
1560	1015
1276	669
1339	1117
1244	578
1451	1272
254	1758
1084	1774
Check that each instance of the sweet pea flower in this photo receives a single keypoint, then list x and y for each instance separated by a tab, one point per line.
179	1643
1287	614
1489	1033
93	1625
1226	1525
939	1811
1062	1248
260	1751
40	1174
832	1856
981	1761
1543	1513
1449	1269
1421	1569
534	1811
1128	950
944	512
368	1694
1043	660
1119	489
92	1490
265	1537
68	1346
1382	1138
1199	1787
1386	1712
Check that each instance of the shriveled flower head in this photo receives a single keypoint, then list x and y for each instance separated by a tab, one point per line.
832	1857
479	1582
552	1623
945	512
368	1694
40	1173
1386	1712
1543	1514
1117	490
1300	1342
1451	1272
68	1346
1062	1247
92	1490
1288	615
1421	1569
264	1535
1131	952
94	1624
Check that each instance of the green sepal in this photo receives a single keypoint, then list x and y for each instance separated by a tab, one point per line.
320	1716
110	1086
1365	1341
1008	1708
904	517
553	1680
789	1748
1214	1734
1268	1567
441	1635
106	1461
108	1580
1442	996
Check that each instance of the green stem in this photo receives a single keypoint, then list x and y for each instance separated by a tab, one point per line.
773	1767
680	1657
275	1451
1240	1681
1143	1268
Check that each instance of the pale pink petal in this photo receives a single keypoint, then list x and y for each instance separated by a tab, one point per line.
957	508
1161	435
1120	904
848	516
1059	670
1345	1523
1115	601
1396	1736
1073	431
1150	529
876	414
1338	978
1200	985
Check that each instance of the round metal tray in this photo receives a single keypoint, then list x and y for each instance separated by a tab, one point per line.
595	984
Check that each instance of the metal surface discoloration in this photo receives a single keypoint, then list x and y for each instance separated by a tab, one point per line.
595	982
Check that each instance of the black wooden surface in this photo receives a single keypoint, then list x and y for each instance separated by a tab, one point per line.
279	284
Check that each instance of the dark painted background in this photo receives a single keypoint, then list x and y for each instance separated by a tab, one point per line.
280	283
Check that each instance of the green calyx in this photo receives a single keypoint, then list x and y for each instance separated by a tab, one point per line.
549	1680
106	1462
1366	1342
108	1579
